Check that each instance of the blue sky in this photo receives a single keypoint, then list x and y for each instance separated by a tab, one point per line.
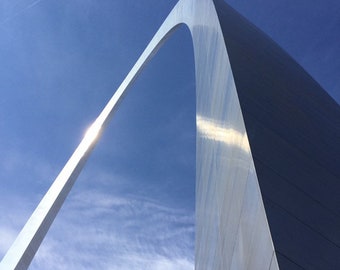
133	205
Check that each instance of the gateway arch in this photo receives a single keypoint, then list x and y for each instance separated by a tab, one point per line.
235	150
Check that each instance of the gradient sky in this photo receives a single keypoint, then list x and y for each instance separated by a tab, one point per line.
133	205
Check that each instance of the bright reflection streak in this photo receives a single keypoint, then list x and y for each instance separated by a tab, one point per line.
92	133
212	130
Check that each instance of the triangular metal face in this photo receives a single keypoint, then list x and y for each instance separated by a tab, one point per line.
293	129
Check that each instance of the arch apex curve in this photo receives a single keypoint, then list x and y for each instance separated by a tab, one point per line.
230	215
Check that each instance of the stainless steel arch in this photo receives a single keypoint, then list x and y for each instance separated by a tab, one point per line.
231	226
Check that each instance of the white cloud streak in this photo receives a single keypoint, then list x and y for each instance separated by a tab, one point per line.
101	229
97	230
19	11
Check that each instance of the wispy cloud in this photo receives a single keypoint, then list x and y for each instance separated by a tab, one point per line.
19	10
97	230
14	213
106	227
7	235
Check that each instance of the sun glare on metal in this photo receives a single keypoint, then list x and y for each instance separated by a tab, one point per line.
212	130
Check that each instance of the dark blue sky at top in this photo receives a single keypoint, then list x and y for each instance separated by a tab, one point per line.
133	205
